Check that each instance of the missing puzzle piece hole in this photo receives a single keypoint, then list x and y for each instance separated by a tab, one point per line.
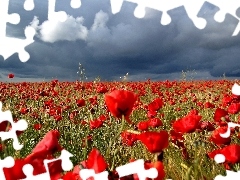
27	170
219	158
139	12
166	19
14	18
8	162
219	17
29	5
75	4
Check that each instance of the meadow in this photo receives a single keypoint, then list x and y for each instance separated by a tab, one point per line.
174	126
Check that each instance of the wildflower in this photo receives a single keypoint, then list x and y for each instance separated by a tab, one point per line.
219	113
10	76
187	124
142	126
96	161
120	103
217	139
154	141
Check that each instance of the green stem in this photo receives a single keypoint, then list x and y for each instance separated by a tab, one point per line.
115	138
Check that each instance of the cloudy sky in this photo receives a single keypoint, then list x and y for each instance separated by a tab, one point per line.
110	45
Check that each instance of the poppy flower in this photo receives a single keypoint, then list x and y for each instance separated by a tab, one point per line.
3	125
154	141
120	103
96	161
10	76
16	171
219	113
48	145
176	136
231	153
94	124
206	125
234	108
154	122
155	105
217	138
187	124
80	102
37	126
143	125
128	138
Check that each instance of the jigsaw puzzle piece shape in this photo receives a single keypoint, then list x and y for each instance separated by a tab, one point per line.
87	173
29	5
53	15
75	4
8	162
236	89
116	6
137	167
66	164
9	45
16	126
28	171
228	132
192	8
227	7
5	18
229	175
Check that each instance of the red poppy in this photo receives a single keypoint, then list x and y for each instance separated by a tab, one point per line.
206	125
24	110
155	122
101	89
3	125
10	76
187	124
155	105
142	126
151	114
80	102
219	113
37	126
96	161
217	139
120	103
209	105
94	124
231	153
128	138
176	136
48	145
16	171
154	141
234	108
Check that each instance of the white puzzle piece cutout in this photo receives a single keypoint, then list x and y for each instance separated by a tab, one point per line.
9	45
66	166
20	125
192	9
8	162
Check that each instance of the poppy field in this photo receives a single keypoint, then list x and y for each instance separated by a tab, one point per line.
174	126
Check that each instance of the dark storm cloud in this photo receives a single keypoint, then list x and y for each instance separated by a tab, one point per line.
110	45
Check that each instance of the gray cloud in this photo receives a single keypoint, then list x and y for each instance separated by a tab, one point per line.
110	45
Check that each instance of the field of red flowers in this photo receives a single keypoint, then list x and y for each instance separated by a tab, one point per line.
174	126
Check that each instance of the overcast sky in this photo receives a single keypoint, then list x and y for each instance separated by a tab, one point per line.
111	45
